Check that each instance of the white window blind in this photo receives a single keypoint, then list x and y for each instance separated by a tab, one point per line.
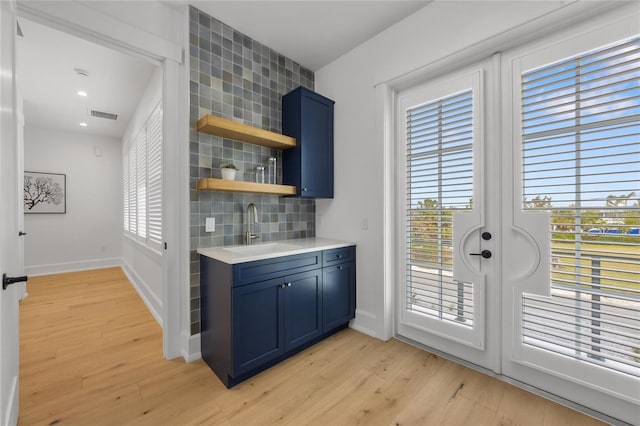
125	191
142	183
141	180
154	178
581	162
439	181
133	203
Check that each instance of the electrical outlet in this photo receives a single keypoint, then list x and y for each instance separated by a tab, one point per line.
364	223
210	224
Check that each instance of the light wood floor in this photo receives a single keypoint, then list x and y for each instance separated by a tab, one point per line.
91	354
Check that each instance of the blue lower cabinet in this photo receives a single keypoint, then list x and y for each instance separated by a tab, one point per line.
249	326
303	308
338	295
258	320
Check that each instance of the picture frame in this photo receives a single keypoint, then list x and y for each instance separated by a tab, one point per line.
45	193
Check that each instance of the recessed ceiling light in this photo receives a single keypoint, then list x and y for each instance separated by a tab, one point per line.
83	124
82	93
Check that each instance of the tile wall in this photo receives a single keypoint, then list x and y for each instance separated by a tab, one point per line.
235	77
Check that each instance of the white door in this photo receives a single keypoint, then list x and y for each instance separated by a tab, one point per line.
555	303
9	213
571	213
447	287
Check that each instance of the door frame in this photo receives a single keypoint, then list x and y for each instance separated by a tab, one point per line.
11	189
567	16
91	25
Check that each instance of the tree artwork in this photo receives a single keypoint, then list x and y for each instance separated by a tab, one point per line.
41	189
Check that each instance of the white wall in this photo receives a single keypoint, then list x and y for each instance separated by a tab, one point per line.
431	36
87	236
142	265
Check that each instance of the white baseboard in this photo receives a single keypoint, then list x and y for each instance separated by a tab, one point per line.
365	322
192	352
59	268
153	302
11	416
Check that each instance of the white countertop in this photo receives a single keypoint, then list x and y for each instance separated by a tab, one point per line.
260	251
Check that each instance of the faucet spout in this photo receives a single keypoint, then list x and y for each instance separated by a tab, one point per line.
249	236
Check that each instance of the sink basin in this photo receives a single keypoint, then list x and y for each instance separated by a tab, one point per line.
260	248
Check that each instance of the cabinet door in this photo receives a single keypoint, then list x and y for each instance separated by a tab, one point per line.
317	148
303	308
338	295
308	117
258	319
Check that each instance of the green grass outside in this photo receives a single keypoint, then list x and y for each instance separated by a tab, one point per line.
625	271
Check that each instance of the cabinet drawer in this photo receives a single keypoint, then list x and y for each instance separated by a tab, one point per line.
260	270
339	255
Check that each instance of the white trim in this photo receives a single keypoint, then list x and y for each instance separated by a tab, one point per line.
154	304
11	416
177	231
193	348
141	247
82	265
385	103
175	214
568	14
100	28
365	322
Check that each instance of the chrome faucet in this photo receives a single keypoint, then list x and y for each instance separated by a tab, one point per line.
248	236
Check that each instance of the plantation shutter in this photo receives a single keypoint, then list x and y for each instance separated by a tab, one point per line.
581	162
439	181
125	191
154	178
133	202
141	179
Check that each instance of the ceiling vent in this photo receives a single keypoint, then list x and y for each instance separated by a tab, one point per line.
102	114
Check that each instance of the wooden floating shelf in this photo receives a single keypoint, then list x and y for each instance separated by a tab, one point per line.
217	126
213	184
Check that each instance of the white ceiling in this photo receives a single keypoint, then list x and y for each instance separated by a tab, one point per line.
312	33
46	60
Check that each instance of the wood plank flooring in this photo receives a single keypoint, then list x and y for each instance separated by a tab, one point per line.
91	354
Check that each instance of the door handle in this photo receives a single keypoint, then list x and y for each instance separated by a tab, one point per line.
7	281
20	233
486	254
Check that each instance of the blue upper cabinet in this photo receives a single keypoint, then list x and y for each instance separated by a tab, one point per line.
308	117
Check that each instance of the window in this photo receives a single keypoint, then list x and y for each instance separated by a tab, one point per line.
439	181
581	162
142	183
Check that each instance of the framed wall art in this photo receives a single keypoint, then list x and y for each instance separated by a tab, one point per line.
45	192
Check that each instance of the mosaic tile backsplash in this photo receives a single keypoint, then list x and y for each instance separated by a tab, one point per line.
235	77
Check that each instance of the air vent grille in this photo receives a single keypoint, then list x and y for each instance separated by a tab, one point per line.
102	114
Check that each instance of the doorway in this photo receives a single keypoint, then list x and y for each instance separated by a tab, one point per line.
155	40
77	118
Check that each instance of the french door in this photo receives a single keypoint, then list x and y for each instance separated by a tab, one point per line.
518	249
447	288
571	306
